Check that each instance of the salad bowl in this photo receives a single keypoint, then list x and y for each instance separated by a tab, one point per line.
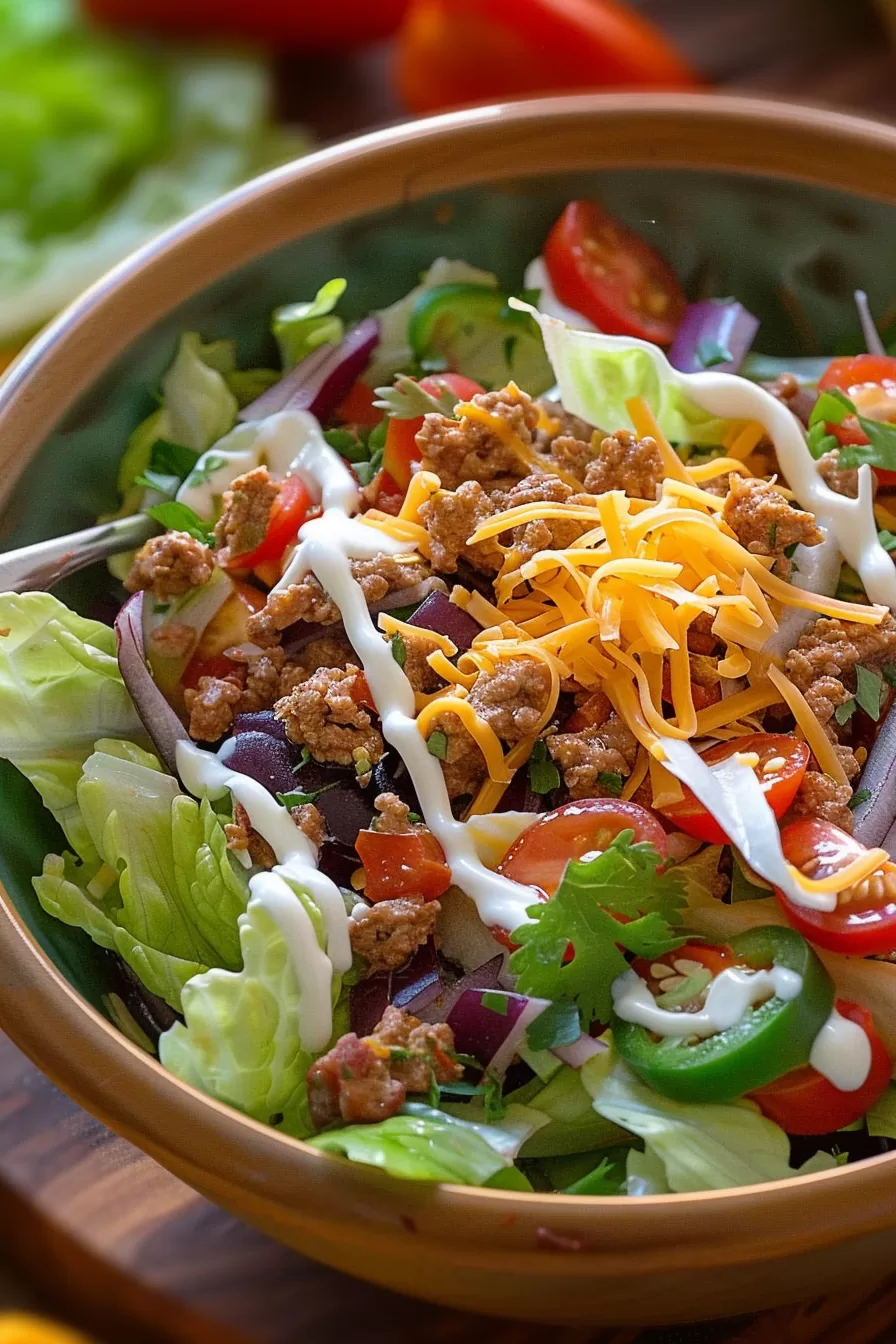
791	210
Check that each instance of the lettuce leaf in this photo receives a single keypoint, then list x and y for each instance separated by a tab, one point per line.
423	1144
199	407
573	1124
300	328
242	1042
881	1119
156	882
706	1147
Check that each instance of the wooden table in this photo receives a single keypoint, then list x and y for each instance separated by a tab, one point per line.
126	1248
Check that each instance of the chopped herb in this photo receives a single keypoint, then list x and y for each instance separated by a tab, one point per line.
406	400
859	797
159	608
887	539
772	536
438	745
831	408
399	651
869	692
510	344
890	674
347	445
181	518
611	781
365	472
173	459
544	776
414	818
211	463
163	484
623	880
843	713
495	1105
304	758
298	799
820	442
710	352
559	1024
790	550
495	1002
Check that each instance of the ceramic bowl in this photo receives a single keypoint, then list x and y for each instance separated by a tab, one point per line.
788	208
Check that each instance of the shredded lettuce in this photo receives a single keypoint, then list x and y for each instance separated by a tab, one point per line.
300	328
242	1042
573	1124
881	1119
423	1144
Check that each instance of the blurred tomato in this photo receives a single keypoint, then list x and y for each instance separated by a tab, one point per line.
289	24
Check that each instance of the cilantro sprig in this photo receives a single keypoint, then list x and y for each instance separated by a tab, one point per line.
832	408
623	880
544	776
406	400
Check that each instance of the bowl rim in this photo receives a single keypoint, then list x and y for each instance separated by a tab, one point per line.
70	1040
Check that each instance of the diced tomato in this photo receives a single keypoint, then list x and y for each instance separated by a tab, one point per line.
406	864
702	696
456	52
860	926
715	959
611	276
592	713
361	692
357	407
401	451
789	759
805	1102
218	666
870	383
290	511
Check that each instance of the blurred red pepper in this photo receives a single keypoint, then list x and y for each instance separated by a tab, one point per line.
455	52
285	24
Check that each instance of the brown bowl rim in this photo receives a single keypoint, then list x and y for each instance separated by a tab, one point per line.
71	1041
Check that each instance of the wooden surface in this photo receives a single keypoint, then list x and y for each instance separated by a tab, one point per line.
113	1240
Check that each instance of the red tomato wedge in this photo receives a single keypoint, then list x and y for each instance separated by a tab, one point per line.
782	764
287	516
805	1102
870	383
861	925
401	452
539	857
412	864
610	275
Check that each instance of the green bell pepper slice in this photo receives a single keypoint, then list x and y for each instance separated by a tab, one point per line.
769	1040
472	330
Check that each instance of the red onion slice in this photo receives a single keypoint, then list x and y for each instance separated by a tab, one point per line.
408	988
488	1034
439	614
159	719
483	977
296	636
580	1051
722	324
322	379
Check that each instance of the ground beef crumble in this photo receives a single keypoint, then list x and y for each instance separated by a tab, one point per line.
606	748
394	815
324	715
170	565
264	668
513	698
363	1080
451	517
243	838
467	450
763	521
821	796
625	462
831	651
417	648
247	511
211	707
843	480
391	931
463	765
310	822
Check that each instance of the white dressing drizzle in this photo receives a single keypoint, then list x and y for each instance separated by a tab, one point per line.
730	994
842	1053
270	443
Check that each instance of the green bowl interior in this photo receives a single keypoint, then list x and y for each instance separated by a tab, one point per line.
791	253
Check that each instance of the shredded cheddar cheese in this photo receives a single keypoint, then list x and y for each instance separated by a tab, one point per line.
816	738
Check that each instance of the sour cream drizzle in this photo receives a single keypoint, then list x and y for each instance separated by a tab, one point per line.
731	993
256	443
842	1053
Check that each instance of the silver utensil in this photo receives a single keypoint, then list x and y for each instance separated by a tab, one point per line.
44	564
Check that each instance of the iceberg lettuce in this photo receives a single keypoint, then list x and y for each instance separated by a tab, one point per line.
300	328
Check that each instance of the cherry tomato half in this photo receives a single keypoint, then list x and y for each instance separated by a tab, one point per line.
805	1102
611	276
287	516
401	451
406	864
715	959
870	383
861	926
539	857
779	784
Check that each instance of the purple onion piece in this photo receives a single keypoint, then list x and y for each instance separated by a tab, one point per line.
159	719
439	614
338	862
713	325
491	1036
322	379
406	988
580	1051
261	721
296	636
262	758
874	818
483	977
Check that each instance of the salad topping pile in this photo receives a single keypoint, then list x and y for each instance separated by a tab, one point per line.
489	775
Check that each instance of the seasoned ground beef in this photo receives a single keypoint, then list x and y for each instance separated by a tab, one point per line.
361	1081
247	511
308	601
573	455
562	424
512	699
391	931
820	796
763	521
467	450
627	463
844	480
394	815
544	533
330	650
416	649
325	715
263	672
170	565
243	838
310	821
832	650
450	518
463	765
211	707
606	748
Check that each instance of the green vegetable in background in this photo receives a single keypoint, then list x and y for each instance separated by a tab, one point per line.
300	328
470	327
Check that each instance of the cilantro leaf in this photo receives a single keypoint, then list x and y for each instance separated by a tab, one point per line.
559	1024
495	1001
869	692
859	797
887	539
544	776
843	713
820	441
200	475
438	745
162	483
399	652
833	407
612	781
622	880
297	798
173	459
179	517
406	400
